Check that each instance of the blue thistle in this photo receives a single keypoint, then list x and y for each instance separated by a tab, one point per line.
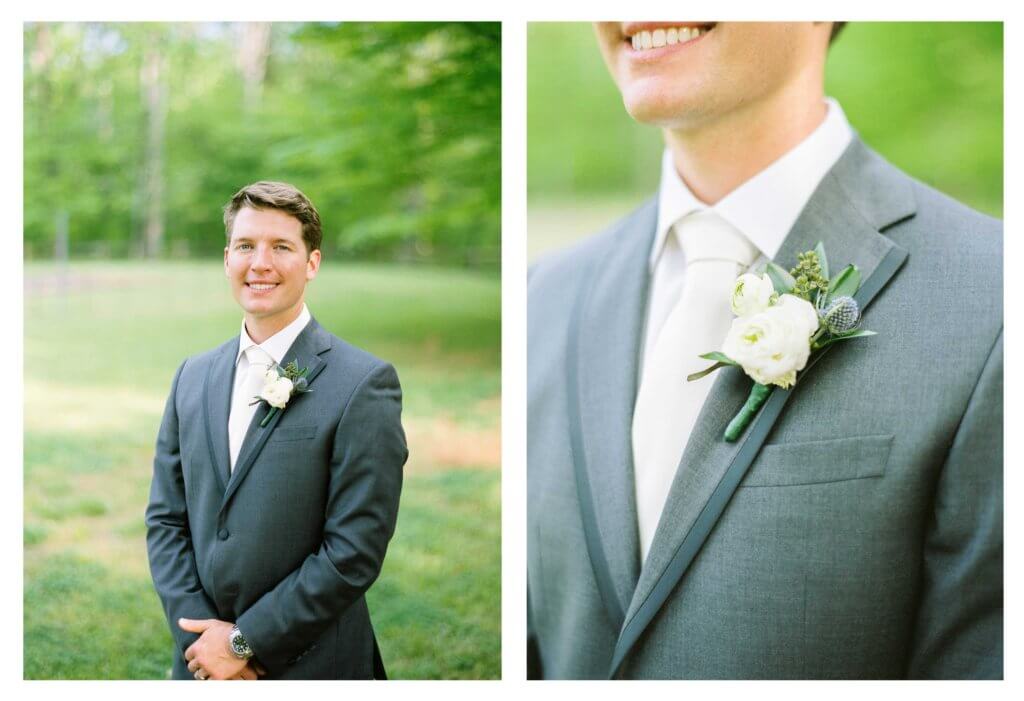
841	316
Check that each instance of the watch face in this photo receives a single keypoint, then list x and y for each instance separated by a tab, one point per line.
238	644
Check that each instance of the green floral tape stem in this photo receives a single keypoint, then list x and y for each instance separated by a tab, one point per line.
758	394
268	417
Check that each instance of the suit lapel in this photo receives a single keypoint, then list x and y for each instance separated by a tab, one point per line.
602	357
710	468
305	351
220	378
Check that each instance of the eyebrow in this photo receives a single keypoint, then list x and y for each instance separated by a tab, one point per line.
246	239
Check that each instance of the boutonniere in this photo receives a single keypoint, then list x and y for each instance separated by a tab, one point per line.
279	386
782	320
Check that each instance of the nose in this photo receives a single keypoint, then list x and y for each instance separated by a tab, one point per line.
261	258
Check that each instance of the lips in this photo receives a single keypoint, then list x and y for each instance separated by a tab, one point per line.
648	40
261	287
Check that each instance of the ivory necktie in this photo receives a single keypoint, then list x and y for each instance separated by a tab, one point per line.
667	405
247	387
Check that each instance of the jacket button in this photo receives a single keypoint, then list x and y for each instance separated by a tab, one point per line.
222	534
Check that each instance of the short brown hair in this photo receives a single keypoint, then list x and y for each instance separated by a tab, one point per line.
267	194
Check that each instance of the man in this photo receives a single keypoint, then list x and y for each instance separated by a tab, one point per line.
266	525
854	530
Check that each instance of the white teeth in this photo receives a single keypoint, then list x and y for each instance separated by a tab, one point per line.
261	287
643	40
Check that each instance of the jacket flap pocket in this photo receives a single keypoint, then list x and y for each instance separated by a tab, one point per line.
815	462
293	433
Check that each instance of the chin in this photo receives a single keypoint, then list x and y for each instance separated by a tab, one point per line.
648	104
256	308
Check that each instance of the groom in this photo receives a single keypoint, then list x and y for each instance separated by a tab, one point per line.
855	528
266	528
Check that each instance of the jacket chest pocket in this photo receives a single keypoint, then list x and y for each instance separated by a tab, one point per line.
819	462
293	433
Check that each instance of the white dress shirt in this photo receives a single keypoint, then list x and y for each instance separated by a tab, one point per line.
763	209
276	346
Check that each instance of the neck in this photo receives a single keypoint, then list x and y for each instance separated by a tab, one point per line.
715	158
262	328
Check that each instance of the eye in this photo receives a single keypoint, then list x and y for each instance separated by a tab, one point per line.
243	246
283	247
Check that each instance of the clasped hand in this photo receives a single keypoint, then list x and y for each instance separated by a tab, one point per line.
210	657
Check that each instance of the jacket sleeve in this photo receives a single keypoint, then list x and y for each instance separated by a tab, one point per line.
959	633
168	540
365	481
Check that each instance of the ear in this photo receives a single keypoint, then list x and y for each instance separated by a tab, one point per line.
313	265
226	273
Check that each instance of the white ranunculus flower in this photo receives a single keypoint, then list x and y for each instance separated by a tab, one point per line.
800	309
270	375
751	294
773	345
276	393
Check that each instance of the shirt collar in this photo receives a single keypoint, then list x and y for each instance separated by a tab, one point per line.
766	206
278	344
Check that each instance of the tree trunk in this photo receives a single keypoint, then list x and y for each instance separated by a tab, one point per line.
154	95
253	51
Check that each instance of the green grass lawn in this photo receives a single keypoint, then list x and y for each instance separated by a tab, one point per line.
90	423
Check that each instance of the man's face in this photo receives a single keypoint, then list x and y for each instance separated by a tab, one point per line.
266	262
712	69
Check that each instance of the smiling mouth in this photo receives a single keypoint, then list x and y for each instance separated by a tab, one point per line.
642	40
261	287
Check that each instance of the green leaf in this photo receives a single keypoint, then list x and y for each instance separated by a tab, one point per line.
822	259
782	281
854	334
708	371
843	337
845	283
719	357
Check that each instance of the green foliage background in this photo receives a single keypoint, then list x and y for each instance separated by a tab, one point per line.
927	96
392	129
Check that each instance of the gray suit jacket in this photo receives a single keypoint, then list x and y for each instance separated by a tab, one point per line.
287	544
854	531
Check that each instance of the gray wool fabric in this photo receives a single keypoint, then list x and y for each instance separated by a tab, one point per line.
854	531
287	544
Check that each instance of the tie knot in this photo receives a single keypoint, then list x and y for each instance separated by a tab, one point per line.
705	236
258	356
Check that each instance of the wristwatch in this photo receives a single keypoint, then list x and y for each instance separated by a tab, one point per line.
239	647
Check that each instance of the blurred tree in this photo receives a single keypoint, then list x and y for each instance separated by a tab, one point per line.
141	132
154	95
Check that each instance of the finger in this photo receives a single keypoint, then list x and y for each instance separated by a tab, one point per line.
193	665
247	673
194	626
260	669
191	652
